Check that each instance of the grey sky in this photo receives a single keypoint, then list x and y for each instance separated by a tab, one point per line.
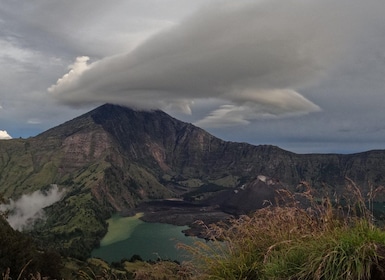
307	76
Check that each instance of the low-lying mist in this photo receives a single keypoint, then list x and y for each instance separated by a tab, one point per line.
25	211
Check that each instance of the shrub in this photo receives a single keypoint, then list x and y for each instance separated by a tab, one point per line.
345	252
289	241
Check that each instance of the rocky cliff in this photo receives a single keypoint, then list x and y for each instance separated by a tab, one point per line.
112	158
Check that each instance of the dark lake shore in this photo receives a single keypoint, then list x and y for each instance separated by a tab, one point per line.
182	213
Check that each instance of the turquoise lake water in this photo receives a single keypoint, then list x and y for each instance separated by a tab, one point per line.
128	236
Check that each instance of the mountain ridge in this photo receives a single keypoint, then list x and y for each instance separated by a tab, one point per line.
113	158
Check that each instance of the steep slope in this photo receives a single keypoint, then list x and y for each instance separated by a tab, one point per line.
111	158
17	250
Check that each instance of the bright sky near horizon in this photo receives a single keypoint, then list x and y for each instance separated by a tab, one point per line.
305	75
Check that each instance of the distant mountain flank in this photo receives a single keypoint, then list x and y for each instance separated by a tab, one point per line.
113	158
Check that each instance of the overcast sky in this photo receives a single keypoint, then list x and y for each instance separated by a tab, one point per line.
305	75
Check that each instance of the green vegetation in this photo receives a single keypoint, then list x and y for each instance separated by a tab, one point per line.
73	226
290	242
322	240
131	269
20	257
112	158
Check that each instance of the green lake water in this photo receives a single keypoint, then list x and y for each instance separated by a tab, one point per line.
128	236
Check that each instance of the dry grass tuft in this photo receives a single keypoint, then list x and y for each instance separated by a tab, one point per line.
305	236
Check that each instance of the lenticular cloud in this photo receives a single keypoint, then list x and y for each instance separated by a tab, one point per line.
69	79
257	55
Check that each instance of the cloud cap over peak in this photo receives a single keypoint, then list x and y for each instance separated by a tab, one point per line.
255	55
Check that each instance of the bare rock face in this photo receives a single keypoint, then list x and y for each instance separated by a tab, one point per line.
81	148
112	158
247	198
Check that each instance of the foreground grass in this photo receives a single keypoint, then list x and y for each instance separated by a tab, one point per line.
299	237
290	242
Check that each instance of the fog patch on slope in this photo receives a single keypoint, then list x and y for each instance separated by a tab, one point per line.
26	210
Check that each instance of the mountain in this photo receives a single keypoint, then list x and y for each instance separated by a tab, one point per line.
113	158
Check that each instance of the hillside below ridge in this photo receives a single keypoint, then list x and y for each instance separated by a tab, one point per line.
113	158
